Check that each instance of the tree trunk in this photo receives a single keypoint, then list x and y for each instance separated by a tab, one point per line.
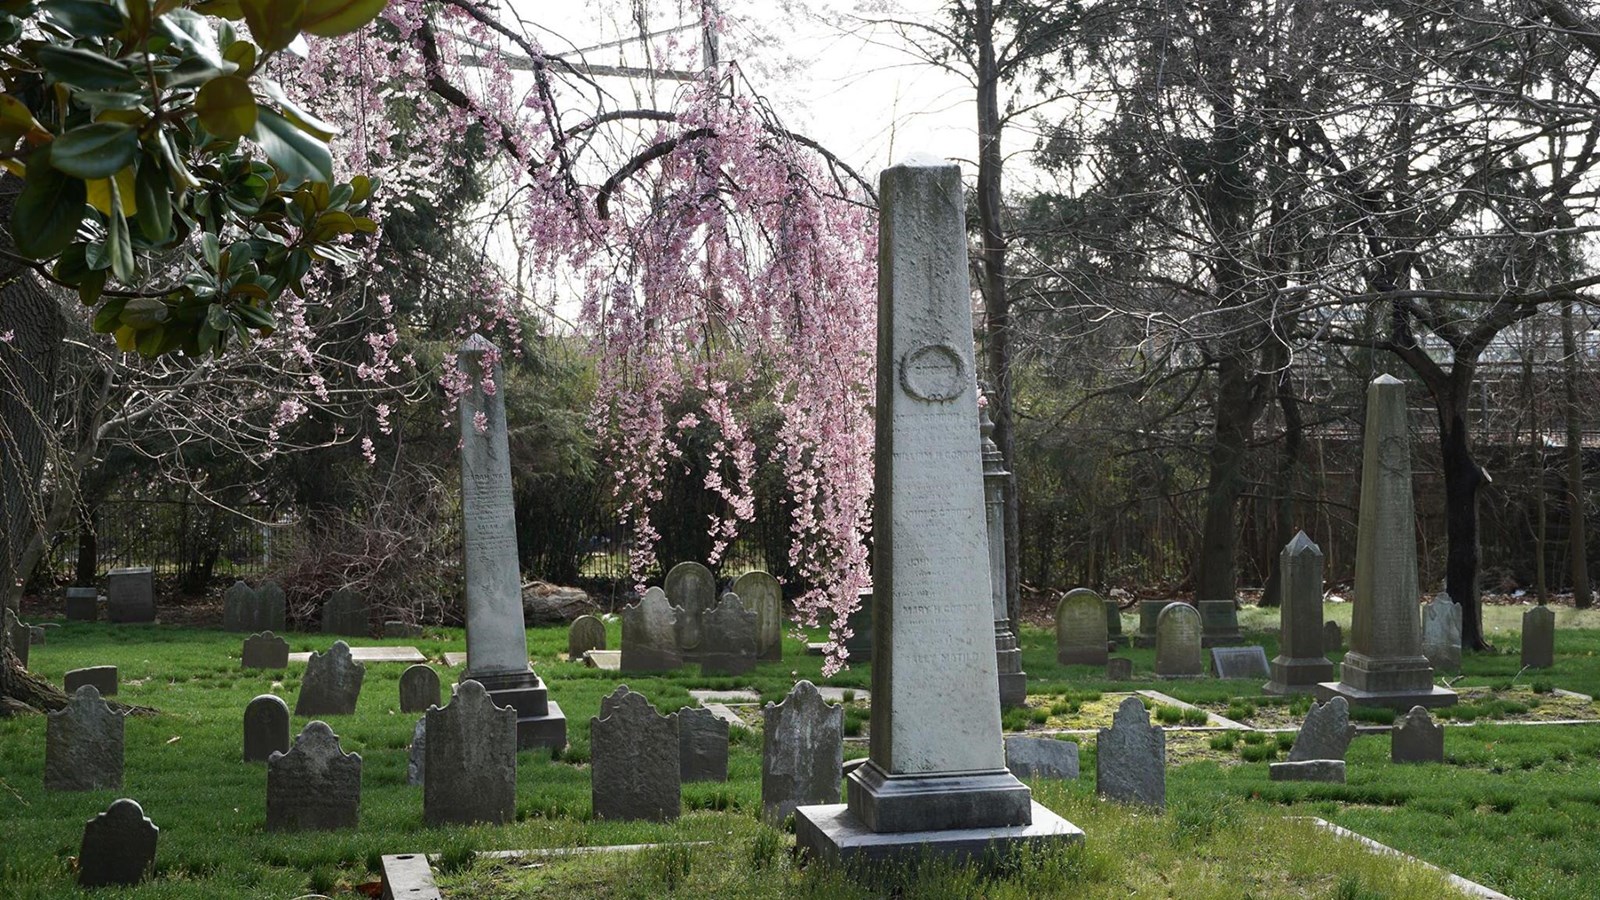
1462	479
1284	487
1577	531
87	569
1232	423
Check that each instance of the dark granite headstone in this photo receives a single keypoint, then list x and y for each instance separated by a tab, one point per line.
634	759
83	604
265	651
332	683
702	745
1149	611
83	744
802	752
1219	623
104	679
419	689
1130	761
131	595
266	728
471	760
1539	638
118	848
1114	634
315	786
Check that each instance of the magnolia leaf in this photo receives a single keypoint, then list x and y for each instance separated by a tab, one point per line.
273	23
297	155
48	209
118	242
127	339
82	68
95	151
331	18
243	55
154	201
226	107
294	112
144	312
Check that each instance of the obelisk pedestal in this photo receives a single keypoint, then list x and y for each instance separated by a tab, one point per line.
936	781
1302	660
497	638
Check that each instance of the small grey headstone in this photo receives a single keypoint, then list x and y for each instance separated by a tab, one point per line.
1130	760
634	759
417	755
1178	636
131	595
83	744
1114	634
104	679
1332	637
728	638
1416	738
1081	630
1539	638
649	635
1119	668
83	604
471	760
1326	732
332	683
315	786
1032	757
254	609
586	633
1441	633
1326	770
1239	662
395	628
419	689
265	651
802	752
266	728
762	594
702	745
118	848
35	634
346	613
691	588
1149	611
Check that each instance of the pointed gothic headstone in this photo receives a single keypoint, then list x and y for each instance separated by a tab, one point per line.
728	634
266	728
634	762
649	635
802	752
1301	662
118	848
315	785
471	760
761	593
332	683
83	744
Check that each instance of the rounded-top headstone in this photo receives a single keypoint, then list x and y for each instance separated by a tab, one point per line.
419	688
586	633
119	846
762	593
1178	636
1081	629
692	588
266	728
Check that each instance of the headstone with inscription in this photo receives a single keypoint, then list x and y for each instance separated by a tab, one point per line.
254	609
118	848
1239	662
83	604
497	637
1130	760
104	679
419	688
1325	733
1416	738
584	634
331	684
649	634
265	651
83	744
131	595
1301	662
1178	642
346	612
634	762
1539	638
761	593
1441	633
1149	611
314	786
691	588
936	782
728	634
471	767
266	728
1219	623
1081	633
702	745
802	752
1385	665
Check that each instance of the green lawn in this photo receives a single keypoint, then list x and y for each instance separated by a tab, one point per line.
1512	807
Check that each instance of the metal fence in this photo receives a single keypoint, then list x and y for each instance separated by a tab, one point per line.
192	541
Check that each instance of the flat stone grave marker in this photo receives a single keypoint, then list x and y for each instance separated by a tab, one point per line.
702	745
345	612
691	588
1081	631
634	760
1539	638
586	633
104	679
842	694
419	689
1178	636
761	593
332	683
1239	662
802	752
1325	770
417	753
1326	732
118	848
1041	757
406	655
1441	633
315	786
1332	637
728	638
248	609
649	634
471	760
266	728
1416	738
608	660
265	651
83	744
455	658
1130	764
83	604
702	695
131	595
1119	668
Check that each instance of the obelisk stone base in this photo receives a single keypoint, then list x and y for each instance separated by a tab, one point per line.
1433	697
540	722
833	835
1297	676
884	802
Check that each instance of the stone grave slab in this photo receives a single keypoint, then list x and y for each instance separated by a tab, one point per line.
634	762
315	786
728	638
407	876
406	655
802	752
761	593
1131	757
455	658
609	660
1325	770
1416	738
471	760
419	689
331	684
586	633
266	728
265	651
83	744
1041	757
702	745
104	679
1239	662
118	848
1081	632
1178	634
650	635
131	595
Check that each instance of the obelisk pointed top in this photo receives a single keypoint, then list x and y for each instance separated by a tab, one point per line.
1302	544
476	344
922	159
1386	378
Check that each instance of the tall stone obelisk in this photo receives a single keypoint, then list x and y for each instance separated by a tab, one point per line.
497	639
936	780
1385	665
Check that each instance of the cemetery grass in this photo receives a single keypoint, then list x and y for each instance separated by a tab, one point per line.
1514	807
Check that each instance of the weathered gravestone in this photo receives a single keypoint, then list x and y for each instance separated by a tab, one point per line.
1130	759
265	651
1178	642
1300	664
1119	668
314	786
471	760
1325	734
1539	638
802	752
266	728
83	744
332	683
1416	738
104	679
935	783
131	595
728	634
1031	757
1115	637
761	593
1149	612
20	638
118	848
1081	634
1332	637
417	753
345	612
254	609
1239	662
702	745
634	759
649	634
1219	623
692	589
419	688
586	633
1441	633
1385	665
1328	770
83	604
